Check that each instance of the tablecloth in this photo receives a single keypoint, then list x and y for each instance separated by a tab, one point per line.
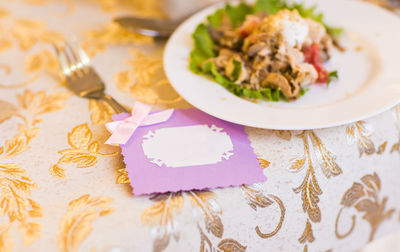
63	189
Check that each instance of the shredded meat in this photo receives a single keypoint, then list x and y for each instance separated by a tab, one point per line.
305	74
225	65
278	81
267	59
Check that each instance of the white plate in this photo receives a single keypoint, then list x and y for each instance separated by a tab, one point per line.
369	79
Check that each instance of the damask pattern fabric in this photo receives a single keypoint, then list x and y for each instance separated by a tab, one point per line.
62	189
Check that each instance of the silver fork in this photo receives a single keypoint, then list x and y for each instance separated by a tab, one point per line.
82	79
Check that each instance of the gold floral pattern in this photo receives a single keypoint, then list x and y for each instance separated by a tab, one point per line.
112	34
84	152
6	68
162	215
255	198
29	32
40	103
360	133
20	142
57	171
136	7
20	84
26	33
70	6
315	153
364	198
122	178
381	149
43	61
309	189
225	245
283	134
6	244
16	202
264	163
145	80
7	111
75	226
307	235
212	220
3	12
101	112
15	185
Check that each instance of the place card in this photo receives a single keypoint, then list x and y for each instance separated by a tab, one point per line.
191	150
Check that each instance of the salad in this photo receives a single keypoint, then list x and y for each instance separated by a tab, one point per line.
270	50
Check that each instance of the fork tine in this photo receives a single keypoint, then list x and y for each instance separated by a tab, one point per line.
61	60
84	60
69	61
74	60
83	56
75	57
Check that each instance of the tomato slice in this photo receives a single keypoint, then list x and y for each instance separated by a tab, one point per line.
312	56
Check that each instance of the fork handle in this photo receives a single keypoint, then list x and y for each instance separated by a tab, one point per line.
118	108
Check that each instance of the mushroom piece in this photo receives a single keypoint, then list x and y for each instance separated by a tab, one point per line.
256	48
278	81
224	37
257	77
255	38
215	34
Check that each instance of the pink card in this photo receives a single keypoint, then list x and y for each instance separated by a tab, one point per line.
192	150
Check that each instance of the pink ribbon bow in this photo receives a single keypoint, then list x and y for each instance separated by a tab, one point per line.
123	130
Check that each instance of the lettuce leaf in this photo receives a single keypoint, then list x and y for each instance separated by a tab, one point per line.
203	48
269	6
215	19
252	93
239	90
203	41
308	12
237	69
237	14
335	32
303	91
332	76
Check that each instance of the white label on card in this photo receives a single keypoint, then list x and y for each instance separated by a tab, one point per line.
187	146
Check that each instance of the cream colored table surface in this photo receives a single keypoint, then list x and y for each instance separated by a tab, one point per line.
62	189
